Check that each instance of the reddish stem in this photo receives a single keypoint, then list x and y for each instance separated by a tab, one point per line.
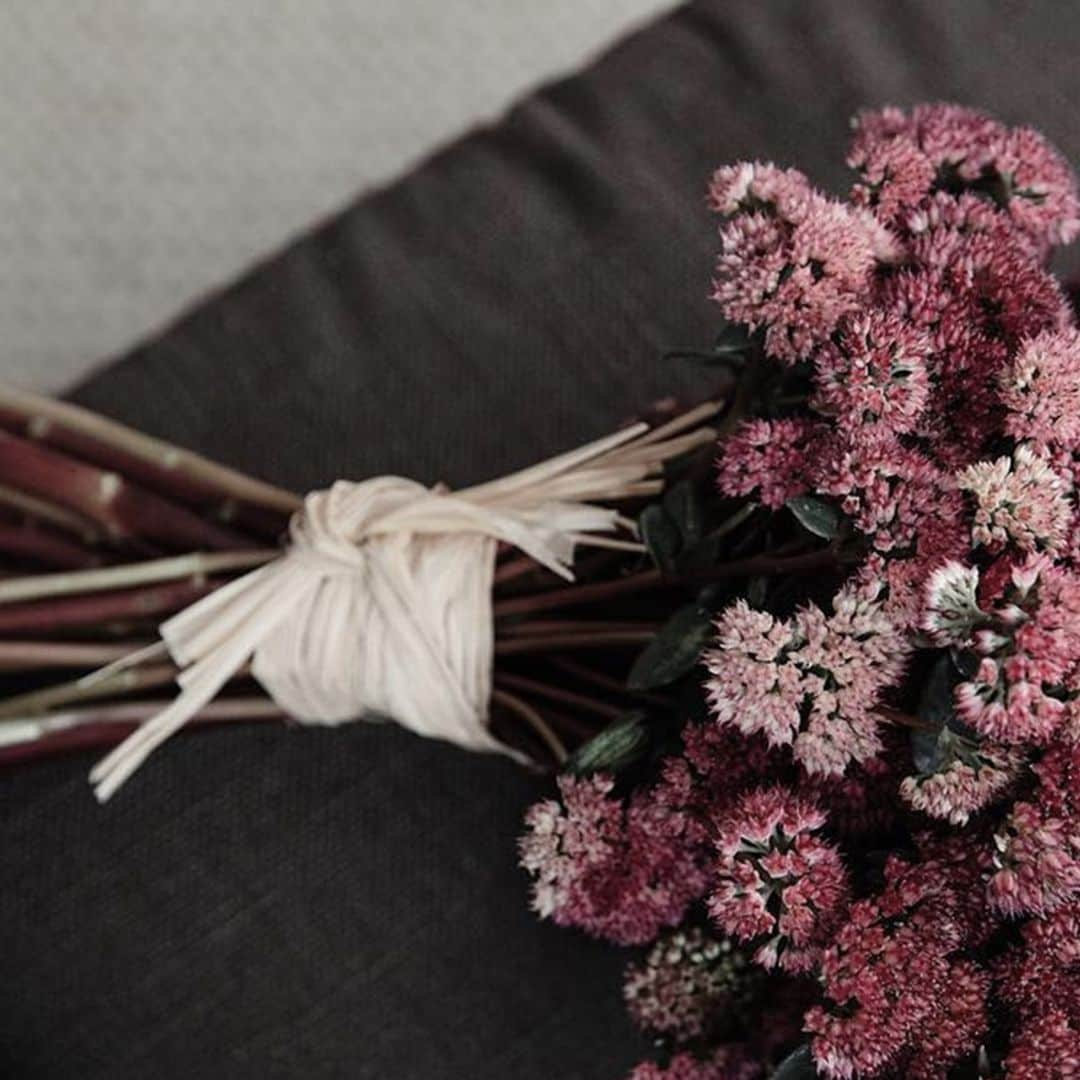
49	616
554	693
35	545
576	595
124	510
546	643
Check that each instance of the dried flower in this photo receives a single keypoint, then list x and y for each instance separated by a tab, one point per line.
724	1063
685	983
621	872
768	459
1018	500
777	879
810	682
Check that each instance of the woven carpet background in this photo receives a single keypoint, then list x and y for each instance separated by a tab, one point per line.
304	904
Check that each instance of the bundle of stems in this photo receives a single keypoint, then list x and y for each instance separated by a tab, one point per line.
105	532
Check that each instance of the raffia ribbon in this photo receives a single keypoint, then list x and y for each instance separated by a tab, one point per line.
380	605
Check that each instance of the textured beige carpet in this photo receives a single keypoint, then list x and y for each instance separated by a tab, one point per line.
154	148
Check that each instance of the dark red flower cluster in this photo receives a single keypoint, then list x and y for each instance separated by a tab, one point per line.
897	993
911	392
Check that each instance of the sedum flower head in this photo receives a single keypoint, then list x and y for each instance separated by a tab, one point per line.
810	682
872	374
618	870
967	776
686	982
778	881
791	261
723	1063
904	159
1019	500
1040	389
887	973
769	459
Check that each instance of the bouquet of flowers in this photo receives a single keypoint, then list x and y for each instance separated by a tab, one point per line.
833	802
843	825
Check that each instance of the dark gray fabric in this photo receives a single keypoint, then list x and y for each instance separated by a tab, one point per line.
306	904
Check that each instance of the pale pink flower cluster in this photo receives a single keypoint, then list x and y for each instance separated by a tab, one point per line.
778	882
621	871
971	776
1041	392
810	682
1019	500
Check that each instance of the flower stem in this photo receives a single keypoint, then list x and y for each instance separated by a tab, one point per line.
757	565
554	693
531	717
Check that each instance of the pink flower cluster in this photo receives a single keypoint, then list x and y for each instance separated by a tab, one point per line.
1038	980
903	160
685	984
1022	639
791	260
897	994
621	871
724	1063
777	880
810	682
912	391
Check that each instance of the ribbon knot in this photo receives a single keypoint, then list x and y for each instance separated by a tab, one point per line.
380	605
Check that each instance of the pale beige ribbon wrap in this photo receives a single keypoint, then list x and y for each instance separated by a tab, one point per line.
381	603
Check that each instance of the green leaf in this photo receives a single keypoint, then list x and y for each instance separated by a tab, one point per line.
660	535
929	750
674	651
798	1065
815	515
936	698
617	747
757	591
683	506
732	340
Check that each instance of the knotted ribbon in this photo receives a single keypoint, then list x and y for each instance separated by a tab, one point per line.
380	605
